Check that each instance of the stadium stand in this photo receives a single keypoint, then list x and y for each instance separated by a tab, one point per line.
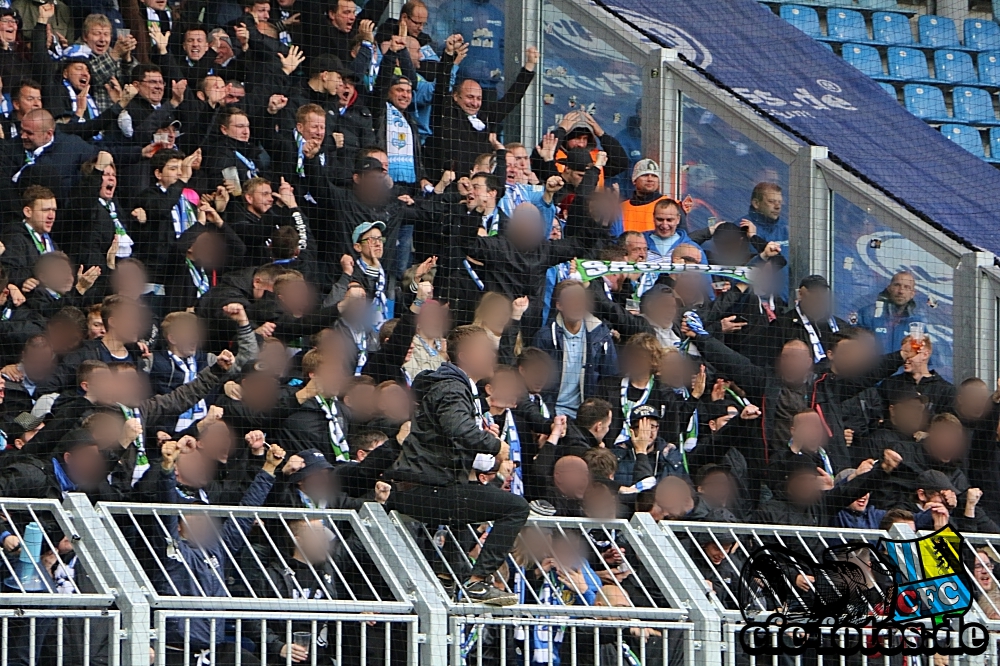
494	332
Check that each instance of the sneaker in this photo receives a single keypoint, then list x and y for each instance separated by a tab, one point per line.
481	592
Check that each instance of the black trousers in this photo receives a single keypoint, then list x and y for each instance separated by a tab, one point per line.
465	504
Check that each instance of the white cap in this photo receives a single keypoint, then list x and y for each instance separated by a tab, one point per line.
645	167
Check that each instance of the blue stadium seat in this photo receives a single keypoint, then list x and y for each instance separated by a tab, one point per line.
994	145
937	31
982	35
908	64
965	136
926	103
973	106
889	89
891	28
865	58
846	25
954	67
827	46
878	4
989	68
804	18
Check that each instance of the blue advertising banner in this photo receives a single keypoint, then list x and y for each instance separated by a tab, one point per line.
798	82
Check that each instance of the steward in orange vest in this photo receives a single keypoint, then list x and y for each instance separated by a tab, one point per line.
637	212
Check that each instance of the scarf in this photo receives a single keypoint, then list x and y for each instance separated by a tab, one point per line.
164	18
380	303
361	342
92	110
198	277
248	163
476	123
125	241
423	356
43	242
141	459
183	214
542	407
513	439
337	441
29	158
189	367
817	346
690	434
300	156
491	222
628	406
399	143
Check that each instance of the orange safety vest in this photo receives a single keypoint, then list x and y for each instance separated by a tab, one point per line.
639	218
561	155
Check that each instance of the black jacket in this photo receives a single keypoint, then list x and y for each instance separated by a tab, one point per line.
445	435
307	428
21	253
57	168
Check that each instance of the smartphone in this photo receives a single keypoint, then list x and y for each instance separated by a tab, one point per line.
161	137
124	32
738	319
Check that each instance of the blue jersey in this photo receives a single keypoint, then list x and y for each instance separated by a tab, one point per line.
481	24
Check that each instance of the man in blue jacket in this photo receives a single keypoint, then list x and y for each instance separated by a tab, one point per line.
667	234
895	308
581	346
194	554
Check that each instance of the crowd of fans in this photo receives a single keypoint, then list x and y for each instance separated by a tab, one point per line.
278	254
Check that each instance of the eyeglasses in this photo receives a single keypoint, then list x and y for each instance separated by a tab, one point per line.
374	240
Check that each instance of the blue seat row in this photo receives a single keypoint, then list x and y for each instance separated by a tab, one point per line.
970	139
884	5
848	25
909	64
970	105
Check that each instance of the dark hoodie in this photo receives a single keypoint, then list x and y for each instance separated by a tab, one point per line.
445	435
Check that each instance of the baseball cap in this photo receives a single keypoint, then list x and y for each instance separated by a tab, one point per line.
643	412
904	393
932	480
577	159
324	63
364	228
814	282
397	79
314	460
645	167
367	164
17	427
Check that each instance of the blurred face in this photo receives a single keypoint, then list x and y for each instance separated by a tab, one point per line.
152	87
34	133
673	497
504	389
361	400
675	370
469	97
85	466
647	184
573	303
38	360
600	503
109	181
394	402
344	16
98	38
973	401
129	280
718	488
769	205
57	276
636	248
260	200
661	309
215	442
126	322
184	339
804	489
274	357
808	432
314	127
100	386
666	219
416	21
170	173
41	215
815	302
78	75
433	320
260	391
238	128
330	377
295	297
908	416
312	542
795	363
28	99
536	375
571	476
637	362
63	336
477	357
196	44
902	289
401	95
95	326
945	441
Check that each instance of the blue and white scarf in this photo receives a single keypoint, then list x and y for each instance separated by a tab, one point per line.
399	142
189	367
92	110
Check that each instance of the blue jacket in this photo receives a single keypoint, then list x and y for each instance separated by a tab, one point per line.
889	323
682	237
481	24
208	562
601	357
776	231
